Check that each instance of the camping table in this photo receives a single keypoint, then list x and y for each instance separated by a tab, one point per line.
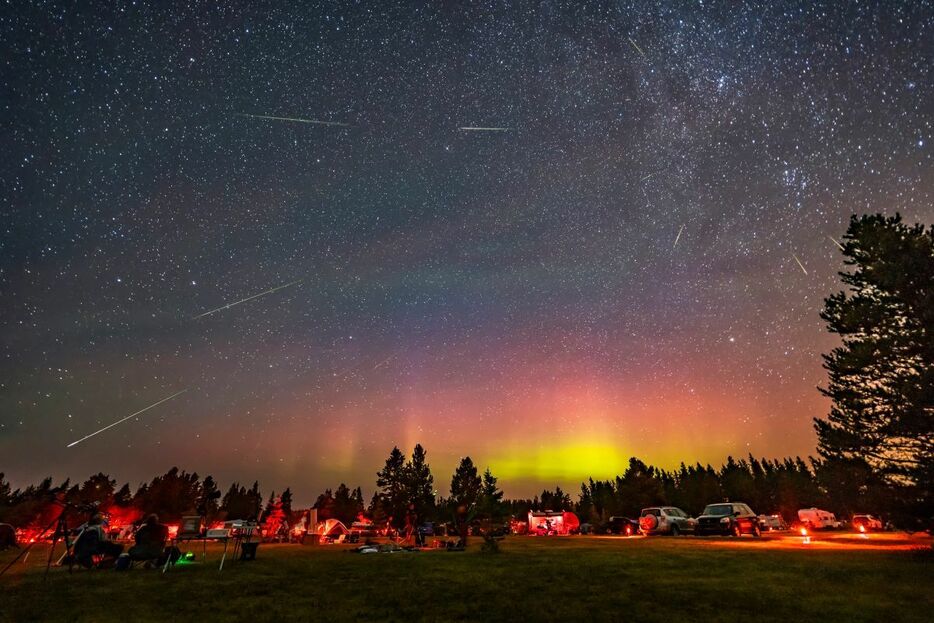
240	534
204	546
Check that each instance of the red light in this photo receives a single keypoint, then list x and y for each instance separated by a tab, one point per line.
804	531
862	528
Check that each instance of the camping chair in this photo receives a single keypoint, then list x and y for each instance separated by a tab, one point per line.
244	543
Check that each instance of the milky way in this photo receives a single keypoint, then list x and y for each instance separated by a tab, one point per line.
631	260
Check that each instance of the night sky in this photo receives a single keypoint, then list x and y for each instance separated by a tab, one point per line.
633	263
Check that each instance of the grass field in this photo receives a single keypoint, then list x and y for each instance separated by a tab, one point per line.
530	579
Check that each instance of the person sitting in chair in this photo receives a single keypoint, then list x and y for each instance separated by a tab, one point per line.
7	536
94	541
150	540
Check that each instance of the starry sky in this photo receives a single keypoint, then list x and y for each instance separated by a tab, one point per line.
631	264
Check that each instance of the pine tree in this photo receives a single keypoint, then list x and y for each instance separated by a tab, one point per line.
255	500
273	518
5	491
490	502
420	483
123	497
270	505
207	503
357	497
465	484
491	508
325	505
881	379
171	495
585	507
346	504
391	486
286	501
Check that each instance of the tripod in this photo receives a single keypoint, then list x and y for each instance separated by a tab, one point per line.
61	531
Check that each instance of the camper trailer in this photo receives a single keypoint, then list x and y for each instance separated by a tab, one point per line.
550	523
819	519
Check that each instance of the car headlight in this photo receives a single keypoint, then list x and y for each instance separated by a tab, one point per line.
724	520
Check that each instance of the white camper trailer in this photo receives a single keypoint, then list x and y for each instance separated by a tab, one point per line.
818	519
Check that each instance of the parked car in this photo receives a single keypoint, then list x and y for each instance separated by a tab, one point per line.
770	523
728	518
865	523
624	526
665	520
818	519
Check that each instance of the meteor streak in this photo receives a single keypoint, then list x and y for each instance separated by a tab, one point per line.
480	129
636	46
678	237
836	243
799	263
155	404
249	298
295	119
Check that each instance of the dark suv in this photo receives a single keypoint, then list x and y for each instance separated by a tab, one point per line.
621	525
728	518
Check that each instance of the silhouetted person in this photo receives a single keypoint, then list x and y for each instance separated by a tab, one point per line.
94	541
411	524
7	536
150	540
463	525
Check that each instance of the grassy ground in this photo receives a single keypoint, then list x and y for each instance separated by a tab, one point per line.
543	579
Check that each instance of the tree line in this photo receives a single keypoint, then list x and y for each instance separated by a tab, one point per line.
171	496
405	488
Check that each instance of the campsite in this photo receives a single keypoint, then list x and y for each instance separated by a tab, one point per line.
887	577
467	311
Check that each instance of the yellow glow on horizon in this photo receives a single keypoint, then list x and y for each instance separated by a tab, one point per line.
562	462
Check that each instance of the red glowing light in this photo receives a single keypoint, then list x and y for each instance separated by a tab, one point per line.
804	531
862	527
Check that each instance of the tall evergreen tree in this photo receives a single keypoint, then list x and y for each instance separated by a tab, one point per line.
391	486
490	502
123	497
465	484
420	483
556	500
6	491
171	495
325	505
207	503
270	505
346	504
255	500
881	379
286	500
639	487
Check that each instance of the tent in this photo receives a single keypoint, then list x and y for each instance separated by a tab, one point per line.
332	528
